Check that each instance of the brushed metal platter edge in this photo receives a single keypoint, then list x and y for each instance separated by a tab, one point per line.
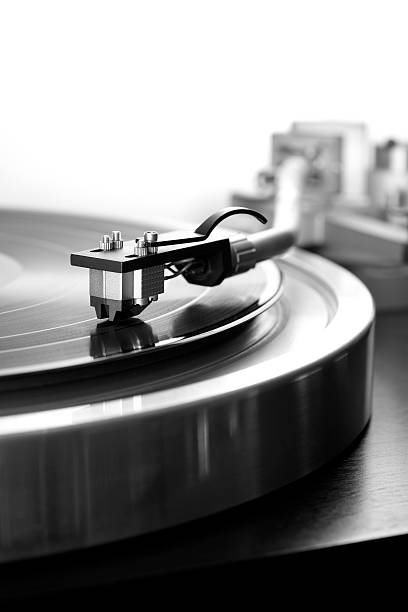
194	450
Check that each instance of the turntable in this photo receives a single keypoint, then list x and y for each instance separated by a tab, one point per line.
209	397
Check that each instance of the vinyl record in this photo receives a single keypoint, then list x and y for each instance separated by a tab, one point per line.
46	322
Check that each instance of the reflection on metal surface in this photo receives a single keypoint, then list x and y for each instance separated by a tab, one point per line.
203	446
90	482
113	339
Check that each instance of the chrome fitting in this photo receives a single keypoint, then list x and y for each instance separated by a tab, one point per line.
150	237
243	254
117	240
106	243
141	248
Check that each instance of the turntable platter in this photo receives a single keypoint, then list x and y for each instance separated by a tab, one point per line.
214	398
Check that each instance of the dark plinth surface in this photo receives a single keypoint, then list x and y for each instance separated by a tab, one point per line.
357	505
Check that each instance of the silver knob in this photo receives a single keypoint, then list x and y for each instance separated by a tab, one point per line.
106	244
150	237
117	239
141	248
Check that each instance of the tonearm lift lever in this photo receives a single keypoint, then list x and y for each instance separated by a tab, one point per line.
125	277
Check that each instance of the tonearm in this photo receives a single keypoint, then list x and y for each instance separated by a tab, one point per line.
126	276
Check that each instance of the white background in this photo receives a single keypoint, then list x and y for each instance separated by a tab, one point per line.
144	108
